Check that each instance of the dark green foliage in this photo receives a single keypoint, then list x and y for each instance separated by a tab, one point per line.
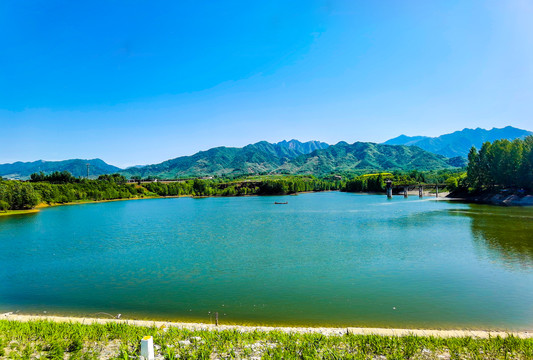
92	190
501	164
220	187
376	182
367	183
76	344
170	189
21	195
18	195
293	185
63	177
458	161
114	178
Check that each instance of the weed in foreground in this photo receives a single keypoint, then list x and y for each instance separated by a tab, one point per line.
76	341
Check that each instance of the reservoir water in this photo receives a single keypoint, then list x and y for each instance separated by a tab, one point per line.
323	259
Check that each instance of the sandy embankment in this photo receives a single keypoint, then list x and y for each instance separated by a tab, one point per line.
302	330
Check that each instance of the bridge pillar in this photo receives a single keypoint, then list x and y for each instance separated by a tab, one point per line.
420	191
436	190
405	191
389	189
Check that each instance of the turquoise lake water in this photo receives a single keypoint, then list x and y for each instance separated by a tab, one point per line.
324	259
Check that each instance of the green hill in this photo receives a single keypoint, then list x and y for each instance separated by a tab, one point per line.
261	157
264	157
77	167
286	157
358	156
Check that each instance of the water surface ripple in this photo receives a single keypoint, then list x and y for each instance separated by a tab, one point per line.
323	259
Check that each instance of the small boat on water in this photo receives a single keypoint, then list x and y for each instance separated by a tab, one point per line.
281	203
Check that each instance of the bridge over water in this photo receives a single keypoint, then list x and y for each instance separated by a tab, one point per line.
405	188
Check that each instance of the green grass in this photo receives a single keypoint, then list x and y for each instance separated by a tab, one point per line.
18	212
21	340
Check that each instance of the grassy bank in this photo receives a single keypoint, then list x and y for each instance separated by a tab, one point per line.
25	340
81	202
18	212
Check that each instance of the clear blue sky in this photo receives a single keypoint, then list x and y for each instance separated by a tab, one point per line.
138	82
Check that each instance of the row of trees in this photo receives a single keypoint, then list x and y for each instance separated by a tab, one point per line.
368	183
501	164
18	195
63	177
377	182
198	187
63	188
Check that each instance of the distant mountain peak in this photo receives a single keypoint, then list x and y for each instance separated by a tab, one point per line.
300	148
77	167
459	142
294	157
298	142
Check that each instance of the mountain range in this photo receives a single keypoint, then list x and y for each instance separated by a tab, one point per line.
77	167
365	156
264	157
293	157
261	157
459	143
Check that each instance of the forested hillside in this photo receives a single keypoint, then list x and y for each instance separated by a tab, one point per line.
366	157
259	158
266	158
77	167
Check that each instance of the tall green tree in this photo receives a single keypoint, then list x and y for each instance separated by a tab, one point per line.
501	164
473	169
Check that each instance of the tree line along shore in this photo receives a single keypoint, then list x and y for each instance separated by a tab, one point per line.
63	188
501	166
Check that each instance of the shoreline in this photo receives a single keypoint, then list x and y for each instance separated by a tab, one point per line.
45	205
19	212
494	198
37	208
486	199
326	331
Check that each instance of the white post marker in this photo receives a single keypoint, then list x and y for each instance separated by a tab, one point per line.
147	348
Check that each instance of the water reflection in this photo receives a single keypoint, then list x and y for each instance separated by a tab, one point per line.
325	259
503	234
